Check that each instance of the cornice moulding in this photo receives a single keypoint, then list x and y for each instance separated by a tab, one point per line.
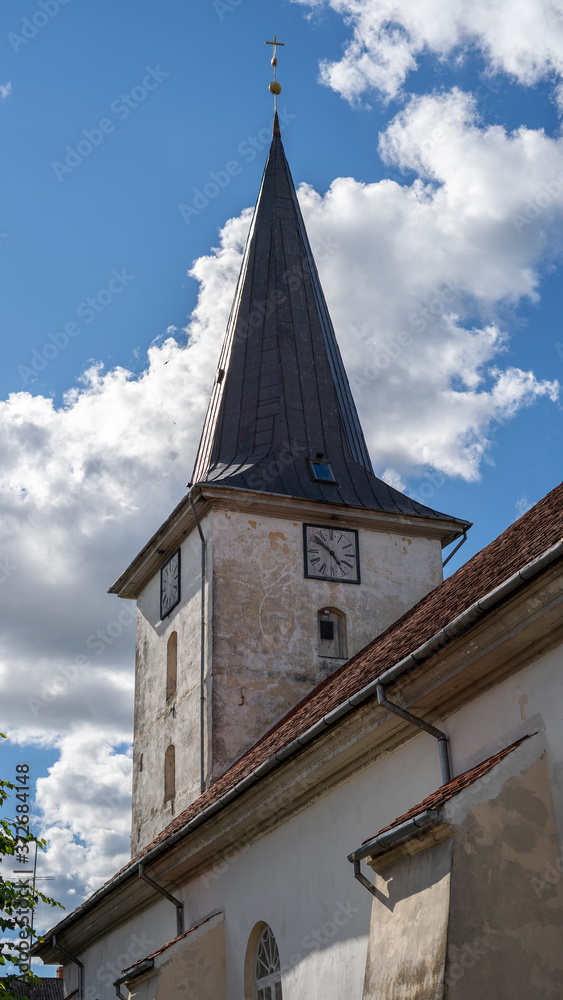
181	523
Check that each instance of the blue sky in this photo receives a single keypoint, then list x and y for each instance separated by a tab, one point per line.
443	161
118	208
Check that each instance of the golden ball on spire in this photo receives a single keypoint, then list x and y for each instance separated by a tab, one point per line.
275	88
274	61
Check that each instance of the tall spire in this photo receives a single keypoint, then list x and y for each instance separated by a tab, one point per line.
281	418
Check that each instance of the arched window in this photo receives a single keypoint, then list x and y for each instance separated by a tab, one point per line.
331	624
171	664
169	773
267	968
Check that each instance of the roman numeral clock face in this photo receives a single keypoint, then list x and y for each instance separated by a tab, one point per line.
331	553
170	584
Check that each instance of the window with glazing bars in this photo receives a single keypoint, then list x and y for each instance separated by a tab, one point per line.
267	970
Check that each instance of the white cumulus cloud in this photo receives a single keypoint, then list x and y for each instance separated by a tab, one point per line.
84	803
421	272
523	38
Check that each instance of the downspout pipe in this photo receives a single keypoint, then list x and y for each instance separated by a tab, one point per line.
202	646
77	962
168	895
458	546
420	724
118	983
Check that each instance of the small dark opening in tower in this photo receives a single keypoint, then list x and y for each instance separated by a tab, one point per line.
169	773
321	471
327	630
171	664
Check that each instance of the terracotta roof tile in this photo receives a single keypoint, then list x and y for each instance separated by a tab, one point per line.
453	787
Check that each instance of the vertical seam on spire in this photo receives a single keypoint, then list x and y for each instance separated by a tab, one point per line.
308	485
347	407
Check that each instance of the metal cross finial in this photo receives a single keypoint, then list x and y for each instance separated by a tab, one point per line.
274	87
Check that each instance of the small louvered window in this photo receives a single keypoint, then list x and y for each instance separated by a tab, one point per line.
327	630
332	633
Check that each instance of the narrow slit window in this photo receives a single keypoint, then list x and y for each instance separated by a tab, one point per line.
169	773
171	665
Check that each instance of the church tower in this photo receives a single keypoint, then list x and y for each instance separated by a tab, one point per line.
288	554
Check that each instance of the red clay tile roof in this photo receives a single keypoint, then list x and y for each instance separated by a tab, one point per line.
525	539
453	787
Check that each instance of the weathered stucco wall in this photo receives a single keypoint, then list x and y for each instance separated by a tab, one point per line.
192	967
265	641
505	934
465	918
196	966
407	946
530	700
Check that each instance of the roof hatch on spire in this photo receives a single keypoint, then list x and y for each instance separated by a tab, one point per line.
281	418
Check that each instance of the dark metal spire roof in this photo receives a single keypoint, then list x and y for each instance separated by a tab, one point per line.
281	396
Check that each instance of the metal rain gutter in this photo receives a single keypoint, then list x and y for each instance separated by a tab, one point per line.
386	841
132	974
455	628
202	626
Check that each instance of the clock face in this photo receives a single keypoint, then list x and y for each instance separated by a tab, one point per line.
331	553
170	584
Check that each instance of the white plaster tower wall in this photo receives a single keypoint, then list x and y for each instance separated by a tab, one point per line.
162	721
261	643
266	632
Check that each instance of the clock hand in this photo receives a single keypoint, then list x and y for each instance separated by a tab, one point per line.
331	551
